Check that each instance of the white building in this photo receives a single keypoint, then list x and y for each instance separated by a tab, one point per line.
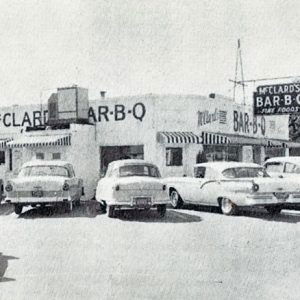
172	131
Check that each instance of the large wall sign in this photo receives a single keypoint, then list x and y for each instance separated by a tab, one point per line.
277	99
101	113
245	123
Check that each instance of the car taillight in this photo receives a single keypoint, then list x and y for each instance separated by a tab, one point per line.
164	187
65	187
9	187
255	187
117	187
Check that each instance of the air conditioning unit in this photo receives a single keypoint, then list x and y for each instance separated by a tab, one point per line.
68	105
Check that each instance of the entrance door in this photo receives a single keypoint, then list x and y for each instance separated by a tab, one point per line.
112	153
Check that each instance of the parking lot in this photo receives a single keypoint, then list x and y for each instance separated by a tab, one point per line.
191	253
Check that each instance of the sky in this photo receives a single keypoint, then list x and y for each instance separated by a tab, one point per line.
138	47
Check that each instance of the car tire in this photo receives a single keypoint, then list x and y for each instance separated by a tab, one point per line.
161	209
18	209
227	207
111	211
273	210
175	199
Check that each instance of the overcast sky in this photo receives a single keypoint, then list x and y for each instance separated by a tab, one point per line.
138	47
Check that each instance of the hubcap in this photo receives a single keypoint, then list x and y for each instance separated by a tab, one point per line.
174	198
226	205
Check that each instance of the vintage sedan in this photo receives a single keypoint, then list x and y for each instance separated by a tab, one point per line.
230	185
132	184
283	166
41	182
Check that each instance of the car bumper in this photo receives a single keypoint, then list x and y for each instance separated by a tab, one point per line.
261	201
34	200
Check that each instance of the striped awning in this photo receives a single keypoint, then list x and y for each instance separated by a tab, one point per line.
179	137
3	142
41	141
209	138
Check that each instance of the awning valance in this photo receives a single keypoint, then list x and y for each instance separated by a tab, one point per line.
41	141
209	138
179	137
4	141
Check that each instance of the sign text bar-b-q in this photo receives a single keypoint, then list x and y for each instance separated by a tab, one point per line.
277	99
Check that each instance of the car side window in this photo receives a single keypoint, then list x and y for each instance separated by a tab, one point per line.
292	168
276	167
71	171
199	172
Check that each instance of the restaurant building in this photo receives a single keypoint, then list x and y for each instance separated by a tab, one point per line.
172	131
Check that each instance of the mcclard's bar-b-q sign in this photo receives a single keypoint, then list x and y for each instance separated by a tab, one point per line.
277	99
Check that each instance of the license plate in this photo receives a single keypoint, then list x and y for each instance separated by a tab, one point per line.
37	193
142	201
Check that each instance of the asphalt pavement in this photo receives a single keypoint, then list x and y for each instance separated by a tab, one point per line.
191	253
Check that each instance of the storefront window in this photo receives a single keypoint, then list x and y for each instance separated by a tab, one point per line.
55	155
174	156
223	152
39	155
2	157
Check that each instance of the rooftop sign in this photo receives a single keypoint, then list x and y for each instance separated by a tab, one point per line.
277	99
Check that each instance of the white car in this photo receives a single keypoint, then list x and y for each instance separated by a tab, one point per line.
283	166
41	182
230	185
132	184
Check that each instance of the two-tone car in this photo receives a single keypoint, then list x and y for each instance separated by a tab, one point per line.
132	184
230	185
41	182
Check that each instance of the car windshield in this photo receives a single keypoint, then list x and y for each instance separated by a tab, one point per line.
139	170
44	171
245	172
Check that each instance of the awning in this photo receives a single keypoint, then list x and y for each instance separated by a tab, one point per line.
246	140
209	138
179	137
41	141
276	144
292	144
3	142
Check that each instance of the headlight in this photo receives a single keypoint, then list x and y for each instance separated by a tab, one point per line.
65	187
164	187
9	187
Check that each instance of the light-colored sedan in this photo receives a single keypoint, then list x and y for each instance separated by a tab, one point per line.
43	183
230	185
132	184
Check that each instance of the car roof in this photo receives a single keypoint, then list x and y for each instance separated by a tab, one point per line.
291	159
126	162
41	162
222	165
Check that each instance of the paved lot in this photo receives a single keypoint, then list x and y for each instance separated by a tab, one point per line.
189	254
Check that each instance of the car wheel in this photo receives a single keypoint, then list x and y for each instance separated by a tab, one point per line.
161	209
273	210
227	207
175	198
18	209
111	211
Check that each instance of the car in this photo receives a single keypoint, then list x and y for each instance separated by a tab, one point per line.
132	184
283	166
230	185
42	183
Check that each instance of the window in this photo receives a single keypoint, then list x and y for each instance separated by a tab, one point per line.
275	167
139	170
199	172
2	157
10	160
244	172
292	168
40	155
56	155
174	156
44	171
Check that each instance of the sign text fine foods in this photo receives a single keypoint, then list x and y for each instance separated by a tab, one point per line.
277	99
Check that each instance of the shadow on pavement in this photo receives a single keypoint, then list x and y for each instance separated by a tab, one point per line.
3	266
152	216
86	210
6	209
